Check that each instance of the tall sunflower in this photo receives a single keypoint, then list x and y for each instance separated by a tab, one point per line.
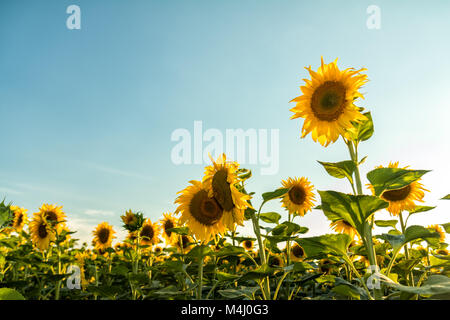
342	226
103	236
149	233
327	102
300	198
168	222
42	233
403	198
220	179
20	218
53	215
201	212
247	244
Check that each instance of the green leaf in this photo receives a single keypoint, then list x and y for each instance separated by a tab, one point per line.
434	285
336	244
343	169
270	217
447	197
347	291
393	178
364	129
223	276
418	209
419	232
258	273
274	194
199	252
183	231
386	223
446	227
230	251
241	292
10	294
353	209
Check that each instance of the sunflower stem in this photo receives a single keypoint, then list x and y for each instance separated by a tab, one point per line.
403	226
367	236
200	274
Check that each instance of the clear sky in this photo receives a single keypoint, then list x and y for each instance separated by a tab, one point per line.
87	115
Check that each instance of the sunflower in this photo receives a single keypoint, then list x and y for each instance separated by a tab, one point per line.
276	260
300	197
248	245
168	222
53	215
201	212
403	198
342	226
325	265
149	233
297	253
435	227
103	236
327	102
42	233
184	243
20	217
220	179
442	252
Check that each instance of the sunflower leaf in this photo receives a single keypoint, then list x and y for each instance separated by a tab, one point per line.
343	169
447	197
393	178
418	209
10	294
270	217
446	227
362	130
336	244
274	194
386	223
353	209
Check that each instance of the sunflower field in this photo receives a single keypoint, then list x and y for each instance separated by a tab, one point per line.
196	252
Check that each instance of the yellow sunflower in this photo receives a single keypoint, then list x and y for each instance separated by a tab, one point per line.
20	217
200	212
327	103
442	252
103	236
435	227
168	222
220	179
276	260
184	243
53	215
42	233
149	233
248	245
300	198
297	253
342	226
403	198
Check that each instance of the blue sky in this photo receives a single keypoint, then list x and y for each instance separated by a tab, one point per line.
87	115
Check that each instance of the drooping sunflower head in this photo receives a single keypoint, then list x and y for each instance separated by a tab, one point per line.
297	253
149	233
103	236
20	217
169	222
403	198
248	245
300	197
220	179
42	233
54	216
438	229
327	103
132	221
201	212
342	226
